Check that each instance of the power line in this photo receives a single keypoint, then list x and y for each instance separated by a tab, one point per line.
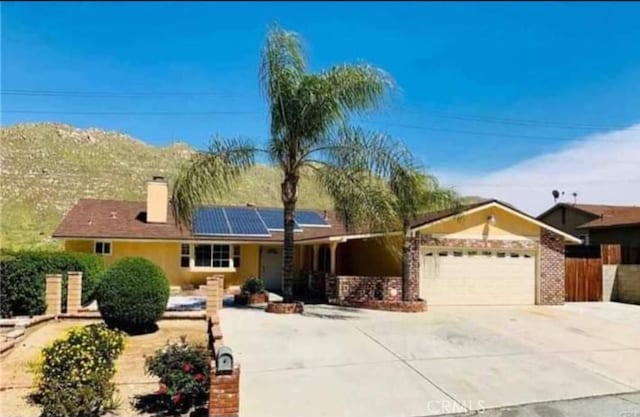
112	94
477	133
435	113
132	113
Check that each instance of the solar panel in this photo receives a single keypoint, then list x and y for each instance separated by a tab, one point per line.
245	221
274	219
307	218
210	221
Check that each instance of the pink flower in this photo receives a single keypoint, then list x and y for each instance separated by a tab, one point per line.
199	377
176	398
162	389
186	367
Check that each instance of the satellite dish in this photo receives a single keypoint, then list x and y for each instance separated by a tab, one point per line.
555	194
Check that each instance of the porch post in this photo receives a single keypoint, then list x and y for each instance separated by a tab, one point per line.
316	252
332	267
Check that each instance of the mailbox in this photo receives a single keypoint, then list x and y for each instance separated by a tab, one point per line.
224	360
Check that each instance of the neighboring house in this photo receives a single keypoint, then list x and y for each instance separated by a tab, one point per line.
486	253
596	224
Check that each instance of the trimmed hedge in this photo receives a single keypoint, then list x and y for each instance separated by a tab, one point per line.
22	275
133	295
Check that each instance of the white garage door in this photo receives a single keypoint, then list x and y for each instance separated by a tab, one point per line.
470	277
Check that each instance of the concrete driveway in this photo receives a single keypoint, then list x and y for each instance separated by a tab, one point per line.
335	361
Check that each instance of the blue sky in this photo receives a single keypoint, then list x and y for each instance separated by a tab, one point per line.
575	66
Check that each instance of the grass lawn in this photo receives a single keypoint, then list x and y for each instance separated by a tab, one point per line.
16	382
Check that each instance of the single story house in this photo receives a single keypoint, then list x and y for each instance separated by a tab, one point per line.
596	224
486	253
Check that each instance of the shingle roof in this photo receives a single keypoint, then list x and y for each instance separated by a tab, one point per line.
115	219
611	216
607	215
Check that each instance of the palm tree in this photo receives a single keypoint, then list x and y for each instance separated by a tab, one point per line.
416	192
309	131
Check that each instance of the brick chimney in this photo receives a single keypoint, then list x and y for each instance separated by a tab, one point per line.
157	200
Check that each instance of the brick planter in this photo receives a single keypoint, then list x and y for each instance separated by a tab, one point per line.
281	307
251	299
417	306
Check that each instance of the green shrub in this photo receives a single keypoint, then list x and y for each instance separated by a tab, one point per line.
22	288
183	369
133	295
74	376
252	285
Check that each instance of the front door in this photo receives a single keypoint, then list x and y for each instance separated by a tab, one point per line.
271	267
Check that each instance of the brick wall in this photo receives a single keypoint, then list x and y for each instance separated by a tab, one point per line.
343	288
552	289
628	284
53	294
224	394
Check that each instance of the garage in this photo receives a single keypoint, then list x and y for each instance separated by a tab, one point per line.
488	253
477	277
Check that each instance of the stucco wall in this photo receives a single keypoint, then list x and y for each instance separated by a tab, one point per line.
475	226
370	257
167	256
628	284
609	292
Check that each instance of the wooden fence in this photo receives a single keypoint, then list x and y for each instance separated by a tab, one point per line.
583	279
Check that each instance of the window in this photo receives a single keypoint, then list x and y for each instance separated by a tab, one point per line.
472	253
515	255
236	256
443	253
486	253
185	253
457	254
501	254
212	256
102	248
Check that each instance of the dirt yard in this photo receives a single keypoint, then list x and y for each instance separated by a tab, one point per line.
16	380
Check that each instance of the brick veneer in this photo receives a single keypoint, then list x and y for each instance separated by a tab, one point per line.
551	284
281	307
365	288
428	240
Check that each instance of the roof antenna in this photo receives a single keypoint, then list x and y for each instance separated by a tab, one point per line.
575	197
555	194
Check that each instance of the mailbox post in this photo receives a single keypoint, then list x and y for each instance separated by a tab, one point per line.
224	361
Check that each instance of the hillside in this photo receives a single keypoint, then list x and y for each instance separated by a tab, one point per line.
46	167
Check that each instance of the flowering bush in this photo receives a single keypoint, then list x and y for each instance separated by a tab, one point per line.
74	375
183	369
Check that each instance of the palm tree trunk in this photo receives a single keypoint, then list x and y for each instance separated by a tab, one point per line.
406	252
289	199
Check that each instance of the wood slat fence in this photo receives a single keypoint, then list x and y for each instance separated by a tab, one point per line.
583	279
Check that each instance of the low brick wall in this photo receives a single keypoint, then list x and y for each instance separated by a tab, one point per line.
627	284
376	293
341	288
224	389
398	306
280	307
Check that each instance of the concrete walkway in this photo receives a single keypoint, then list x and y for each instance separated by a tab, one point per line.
335	361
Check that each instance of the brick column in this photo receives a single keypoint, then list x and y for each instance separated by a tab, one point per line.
224	393
53	294
220	290
414	270
74	292
213	299
552	288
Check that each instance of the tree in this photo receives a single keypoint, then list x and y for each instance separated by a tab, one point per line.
415	192
309	130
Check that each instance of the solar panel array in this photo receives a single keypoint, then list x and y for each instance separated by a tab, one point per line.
248	221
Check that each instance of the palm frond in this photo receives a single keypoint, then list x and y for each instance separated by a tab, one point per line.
359	87
208	175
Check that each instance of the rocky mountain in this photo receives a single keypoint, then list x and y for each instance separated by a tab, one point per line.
46	167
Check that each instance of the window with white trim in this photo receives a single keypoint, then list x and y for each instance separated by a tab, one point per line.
236	256
185	254
102	248
212	256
